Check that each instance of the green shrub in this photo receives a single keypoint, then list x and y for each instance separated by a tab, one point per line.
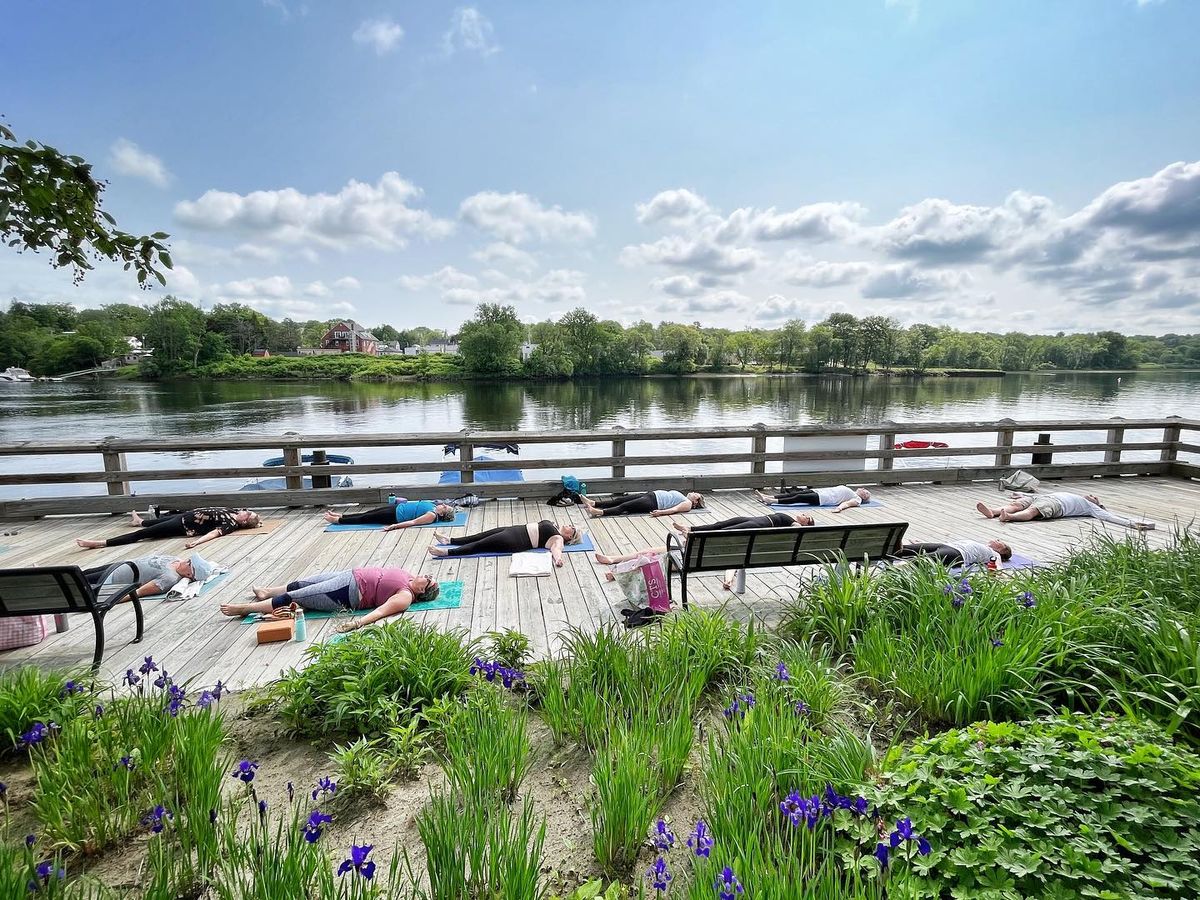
29	695
373	679
1068	806
487	749
510	648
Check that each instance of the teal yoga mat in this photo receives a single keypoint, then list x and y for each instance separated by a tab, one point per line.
204	588
583	546
460	519
450	597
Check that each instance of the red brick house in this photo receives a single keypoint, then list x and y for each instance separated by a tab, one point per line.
350	337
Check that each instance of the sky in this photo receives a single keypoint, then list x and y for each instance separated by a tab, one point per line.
1028	165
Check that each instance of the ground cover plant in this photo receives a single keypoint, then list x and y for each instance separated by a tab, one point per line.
29	696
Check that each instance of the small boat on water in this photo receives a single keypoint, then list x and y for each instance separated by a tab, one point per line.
15	374
279	484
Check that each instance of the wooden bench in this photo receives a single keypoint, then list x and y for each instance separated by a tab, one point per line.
56	590
765	548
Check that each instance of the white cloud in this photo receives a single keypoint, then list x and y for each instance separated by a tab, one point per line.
347	283
379	215
777	307
672	205
128	158
888	282
500	253
444	279
517	218
278	297
469	30
679	285
317	289
274	286
814	222
381	34
463	289
701	255
824	274
181	280
726	301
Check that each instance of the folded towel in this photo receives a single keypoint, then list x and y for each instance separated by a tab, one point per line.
530	563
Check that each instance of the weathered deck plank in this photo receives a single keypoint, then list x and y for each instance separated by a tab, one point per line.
200	644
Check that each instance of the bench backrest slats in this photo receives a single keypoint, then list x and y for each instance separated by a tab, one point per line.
48	590
710	551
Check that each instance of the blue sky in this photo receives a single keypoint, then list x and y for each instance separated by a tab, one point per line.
990	165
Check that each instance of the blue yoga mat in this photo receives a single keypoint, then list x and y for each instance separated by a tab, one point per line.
450	597
455	477
460	519
1016	561
204	588
789	507
583	546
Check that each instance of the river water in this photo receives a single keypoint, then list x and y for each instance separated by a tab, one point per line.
89	411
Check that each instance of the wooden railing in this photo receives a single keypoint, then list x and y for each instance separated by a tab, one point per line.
672	466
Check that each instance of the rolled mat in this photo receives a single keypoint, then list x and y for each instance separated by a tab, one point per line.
583	546
460	519
450	597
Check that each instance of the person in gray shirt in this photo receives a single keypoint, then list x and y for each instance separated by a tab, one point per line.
156	573
1058	505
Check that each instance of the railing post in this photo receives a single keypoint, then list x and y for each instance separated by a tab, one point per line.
466	455
758	444
887	441
293	457
1116	435
618	453
114	461
1171	437
1004	440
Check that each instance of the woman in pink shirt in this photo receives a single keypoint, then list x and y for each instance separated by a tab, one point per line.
386	591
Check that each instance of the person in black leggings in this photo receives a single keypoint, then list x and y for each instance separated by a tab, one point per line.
204	524
510	539
958	552
774	520
656	503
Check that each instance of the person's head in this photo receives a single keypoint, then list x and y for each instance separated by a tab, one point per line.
804	519
571	534
697	500
247	518
195	567
1002	548
863	494
444	512
424	588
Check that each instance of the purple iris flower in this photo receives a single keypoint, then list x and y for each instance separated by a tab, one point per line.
3	792
131	679
358	862
157	818
38	733
205	700
958	601
163	680
701	841
658	876
782	673
44	872
218	690
126	762
664	839
325	785
794	807
727	885
923	847
997	642
99	712
881	854
262	809
148	666
291	791
245	771
178	697
894	839
71	687
904	828
30	840
1027	599
802	708
315	825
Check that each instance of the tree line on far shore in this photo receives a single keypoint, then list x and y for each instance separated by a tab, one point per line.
52	338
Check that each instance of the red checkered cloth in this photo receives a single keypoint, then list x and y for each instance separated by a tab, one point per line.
22	631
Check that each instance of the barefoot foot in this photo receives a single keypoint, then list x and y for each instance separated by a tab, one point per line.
237	609
603	560
135	519
439	552
89	545
680	527
1004	516
441	537
593	512
261	593
332	517
985	511
764	498
609	576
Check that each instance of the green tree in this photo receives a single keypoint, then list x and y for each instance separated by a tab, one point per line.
550	358
175	332
681	345
743	345
69	353
55	316
490	342
49	201
283	337
245	328
880	335
386	333
125	318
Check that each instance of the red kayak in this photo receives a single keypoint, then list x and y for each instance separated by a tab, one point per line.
918	445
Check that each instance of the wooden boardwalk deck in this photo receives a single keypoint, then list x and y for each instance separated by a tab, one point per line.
197	642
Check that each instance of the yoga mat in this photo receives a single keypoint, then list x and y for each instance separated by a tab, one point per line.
204	588
1016	561
790	507
583	546
460	519
266	527
449	598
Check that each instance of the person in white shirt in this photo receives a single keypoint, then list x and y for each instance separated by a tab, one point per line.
656	503
840	497
1057	505
959	552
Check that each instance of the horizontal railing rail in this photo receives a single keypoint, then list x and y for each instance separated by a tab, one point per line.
678	467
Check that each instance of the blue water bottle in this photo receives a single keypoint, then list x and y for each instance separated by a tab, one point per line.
391	499
301	630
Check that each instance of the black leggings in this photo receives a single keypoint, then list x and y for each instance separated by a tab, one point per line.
384	515
151	529
802	498
735	522
941	552
506	539
628	506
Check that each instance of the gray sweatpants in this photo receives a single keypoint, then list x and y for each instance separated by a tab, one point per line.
328	591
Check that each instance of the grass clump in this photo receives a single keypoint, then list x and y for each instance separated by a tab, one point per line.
373	679
1066	806
29	696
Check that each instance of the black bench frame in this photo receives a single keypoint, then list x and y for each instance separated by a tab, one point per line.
687	556
66	589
